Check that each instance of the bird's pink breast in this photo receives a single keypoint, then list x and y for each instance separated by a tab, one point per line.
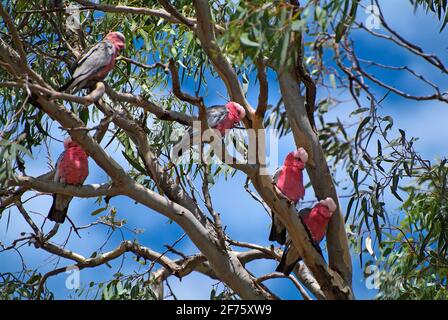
74	167
224	125
316	224
290	183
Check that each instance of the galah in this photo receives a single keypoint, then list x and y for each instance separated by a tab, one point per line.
71	168
315	221
220	118
96	63
288	179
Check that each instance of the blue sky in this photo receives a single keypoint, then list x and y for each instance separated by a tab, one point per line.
244	218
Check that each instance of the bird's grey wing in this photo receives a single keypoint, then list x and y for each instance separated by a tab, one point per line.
88	54
58	210
57	175
289	259
304	211
276	175
97	58
100	54
215	115
278	230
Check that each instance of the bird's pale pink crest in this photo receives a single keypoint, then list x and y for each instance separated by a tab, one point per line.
236	110
301	154
117	38
69	143
330	204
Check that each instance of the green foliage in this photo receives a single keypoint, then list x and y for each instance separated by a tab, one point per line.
129	288
254	29
377	158
11	158
224	294
265	28
415	260
22	286
437	6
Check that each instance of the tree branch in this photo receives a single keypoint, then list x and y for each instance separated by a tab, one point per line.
86	191
51	94
274	275
172	10
143	11
21	56
197	101
149	106
264	89
188	217
206	35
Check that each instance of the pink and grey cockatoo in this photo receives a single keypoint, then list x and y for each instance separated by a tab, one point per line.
315	221
96	63
219	117
288	179
72	167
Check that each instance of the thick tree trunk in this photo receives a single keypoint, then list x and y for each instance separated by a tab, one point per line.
318	172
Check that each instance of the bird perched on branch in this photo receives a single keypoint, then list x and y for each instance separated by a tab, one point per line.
72	168
96	63
288	179
219	117
315	221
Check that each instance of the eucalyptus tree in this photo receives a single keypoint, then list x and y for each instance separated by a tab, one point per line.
147	102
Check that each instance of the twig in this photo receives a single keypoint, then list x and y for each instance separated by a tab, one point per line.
264	89
274	275
257	198
209	205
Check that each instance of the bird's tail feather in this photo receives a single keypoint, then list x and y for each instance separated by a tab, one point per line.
283	266
276	234
73	86
55	214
